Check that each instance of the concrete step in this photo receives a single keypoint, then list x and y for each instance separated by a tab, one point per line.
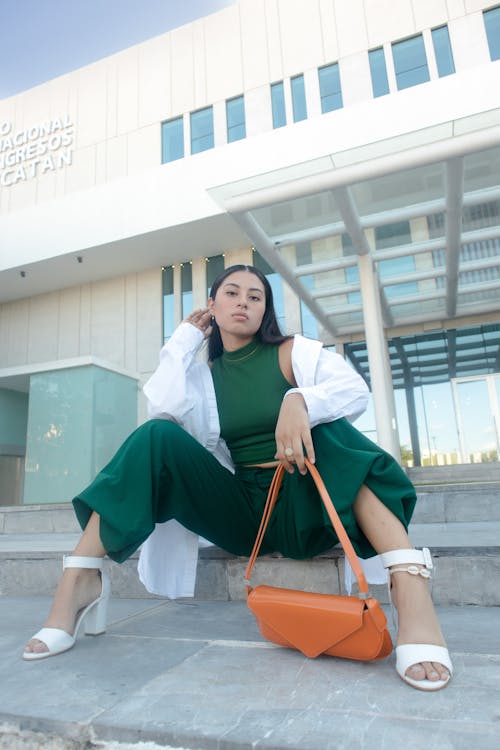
437	503
458	502
466	558
484	472
200	675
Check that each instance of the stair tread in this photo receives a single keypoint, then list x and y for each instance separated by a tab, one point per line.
438	535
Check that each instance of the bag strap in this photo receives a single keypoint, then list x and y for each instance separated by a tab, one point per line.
334	518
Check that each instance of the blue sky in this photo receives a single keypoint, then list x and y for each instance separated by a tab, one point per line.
42	39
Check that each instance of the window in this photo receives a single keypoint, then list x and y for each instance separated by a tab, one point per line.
276	283
172	140
309	324
378	70
215	266
202	130
394	235
442	50
168	302
298	98
235	118
492	26
278	104
186	288
329	88
410	62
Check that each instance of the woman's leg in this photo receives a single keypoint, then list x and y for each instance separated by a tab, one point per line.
77	587
417	620
158	474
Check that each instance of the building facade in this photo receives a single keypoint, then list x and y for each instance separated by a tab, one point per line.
349	148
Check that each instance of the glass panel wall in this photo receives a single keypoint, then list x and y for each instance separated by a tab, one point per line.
447	388
168	302
276	283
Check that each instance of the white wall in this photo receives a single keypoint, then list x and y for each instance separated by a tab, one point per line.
118	320
119	102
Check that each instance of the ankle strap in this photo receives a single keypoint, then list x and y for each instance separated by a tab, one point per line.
402	556
73	561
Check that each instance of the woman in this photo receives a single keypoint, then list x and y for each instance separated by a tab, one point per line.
264	399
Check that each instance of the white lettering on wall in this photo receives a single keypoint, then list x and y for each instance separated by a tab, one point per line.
29	153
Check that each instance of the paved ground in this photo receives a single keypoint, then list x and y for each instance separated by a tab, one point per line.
197	675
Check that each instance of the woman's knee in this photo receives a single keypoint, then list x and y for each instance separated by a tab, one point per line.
161	428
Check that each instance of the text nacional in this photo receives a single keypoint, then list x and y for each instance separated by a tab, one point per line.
36	150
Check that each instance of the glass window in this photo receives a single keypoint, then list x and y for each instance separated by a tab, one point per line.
298	98
329	88
215	266
202	130
278	104
309	324
172	140
276	283
186	288
235	118
168	302
378	70
442	50
492	26
410	62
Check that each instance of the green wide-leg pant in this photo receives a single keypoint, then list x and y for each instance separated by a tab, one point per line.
161	473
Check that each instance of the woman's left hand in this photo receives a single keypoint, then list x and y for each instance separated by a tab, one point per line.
293	434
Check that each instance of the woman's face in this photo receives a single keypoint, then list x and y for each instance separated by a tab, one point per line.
239	305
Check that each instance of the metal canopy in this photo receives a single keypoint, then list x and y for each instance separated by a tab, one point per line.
429	219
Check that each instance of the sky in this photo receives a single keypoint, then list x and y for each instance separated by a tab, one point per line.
42	39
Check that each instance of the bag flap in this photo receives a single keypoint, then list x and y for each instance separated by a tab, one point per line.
376	613
312	623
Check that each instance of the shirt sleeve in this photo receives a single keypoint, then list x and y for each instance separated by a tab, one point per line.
167	391
336	390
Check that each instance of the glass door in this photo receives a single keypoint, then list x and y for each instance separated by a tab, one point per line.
477	402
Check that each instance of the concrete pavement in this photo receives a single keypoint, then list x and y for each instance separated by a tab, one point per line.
197	675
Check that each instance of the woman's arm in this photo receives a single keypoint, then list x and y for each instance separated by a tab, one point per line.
167	390
330	387
327	389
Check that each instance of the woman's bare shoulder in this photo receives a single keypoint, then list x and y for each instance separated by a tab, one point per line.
285	359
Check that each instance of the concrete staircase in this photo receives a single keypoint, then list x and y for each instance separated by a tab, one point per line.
457	516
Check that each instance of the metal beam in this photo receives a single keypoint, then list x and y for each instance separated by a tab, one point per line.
350	215
273	257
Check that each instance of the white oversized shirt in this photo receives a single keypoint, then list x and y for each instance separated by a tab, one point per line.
181	389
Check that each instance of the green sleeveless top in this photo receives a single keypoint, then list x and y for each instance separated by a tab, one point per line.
249	387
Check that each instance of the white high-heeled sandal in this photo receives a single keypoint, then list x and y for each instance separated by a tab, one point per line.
94	615
409	654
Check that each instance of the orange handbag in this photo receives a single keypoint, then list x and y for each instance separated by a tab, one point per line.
352	627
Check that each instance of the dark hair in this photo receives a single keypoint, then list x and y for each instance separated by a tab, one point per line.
269	331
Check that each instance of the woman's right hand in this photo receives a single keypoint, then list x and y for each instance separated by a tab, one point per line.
201	319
